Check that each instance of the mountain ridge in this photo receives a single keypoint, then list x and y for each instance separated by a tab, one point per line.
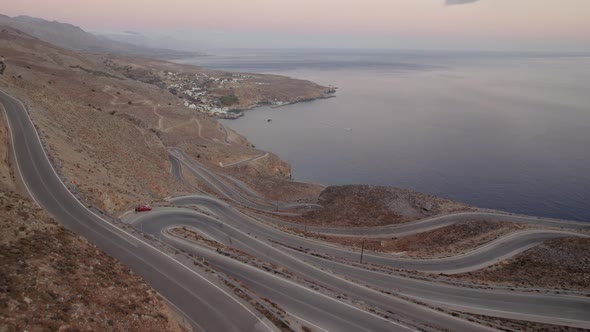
75	38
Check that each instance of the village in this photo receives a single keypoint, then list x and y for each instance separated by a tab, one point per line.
195	90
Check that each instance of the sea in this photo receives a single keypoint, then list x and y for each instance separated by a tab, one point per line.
505	131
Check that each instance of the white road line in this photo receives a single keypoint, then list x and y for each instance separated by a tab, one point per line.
309	266
182	312
16	159
306	321
271	248
125	214
512	315
120	229
467	308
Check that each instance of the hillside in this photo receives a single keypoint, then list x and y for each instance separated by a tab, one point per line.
74	38
122	130
363	205
106	126
53	280
108	120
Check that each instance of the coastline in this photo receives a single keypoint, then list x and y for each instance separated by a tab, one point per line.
163	118
437	159
241	111
130	204
303	101
225	94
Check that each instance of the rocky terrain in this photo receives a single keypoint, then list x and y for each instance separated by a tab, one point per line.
362	205
561	263
52	280
107	131
107	120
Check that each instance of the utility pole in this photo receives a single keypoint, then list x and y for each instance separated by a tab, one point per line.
305	227
362	250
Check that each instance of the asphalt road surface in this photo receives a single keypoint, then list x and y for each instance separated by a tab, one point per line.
193	292
500	249
239	231
315	282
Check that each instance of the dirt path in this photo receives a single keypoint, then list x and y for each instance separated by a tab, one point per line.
251	159
161	118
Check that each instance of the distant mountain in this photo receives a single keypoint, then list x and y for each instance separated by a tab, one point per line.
155	40
73	37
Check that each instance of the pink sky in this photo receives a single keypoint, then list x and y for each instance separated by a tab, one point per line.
493	20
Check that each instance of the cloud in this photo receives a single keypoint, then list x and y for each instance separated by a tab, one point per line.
458	2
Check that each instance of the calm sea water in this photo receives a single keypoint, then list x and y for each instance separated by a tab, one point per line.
509	132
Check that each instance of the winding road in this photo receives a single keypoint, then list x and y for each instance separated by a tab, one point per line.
216	183
316	283
242	232
555	309
194	292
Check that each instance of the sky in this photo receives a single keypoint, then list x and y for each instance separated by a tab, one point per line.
552	25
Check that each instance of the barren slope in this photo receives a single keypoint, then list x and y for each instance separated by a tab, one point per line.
108	131
362	205
562	263
52	280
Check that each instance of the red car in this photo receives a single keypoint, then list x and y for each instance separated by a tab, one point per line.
143	208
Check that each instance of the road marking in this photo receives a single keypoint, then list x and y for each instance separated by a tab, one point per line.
125	214
464	307
306	321
116	227
409	294
309	266
124	232
511	315
16	158
183	313
125	239
333	275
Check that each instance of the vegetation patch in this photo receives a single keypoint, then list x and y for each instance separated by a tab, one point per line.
229	100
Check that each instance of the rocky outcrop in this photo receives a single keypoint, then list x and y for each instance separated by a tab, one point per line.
270	166
362	205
